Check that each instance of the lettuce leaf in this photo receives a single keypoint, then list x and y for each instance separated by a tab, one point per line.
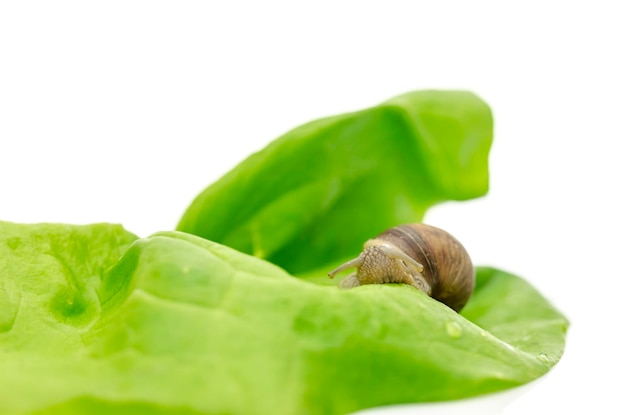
314	195
183	325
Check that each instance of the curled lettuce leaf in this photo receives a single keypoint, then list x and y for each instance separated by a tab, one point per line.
314	195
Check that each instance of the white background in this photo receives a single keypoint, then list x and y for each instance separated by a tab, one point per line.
124	111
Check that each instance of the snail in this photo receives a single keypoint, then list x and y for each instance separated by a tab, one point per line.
420	255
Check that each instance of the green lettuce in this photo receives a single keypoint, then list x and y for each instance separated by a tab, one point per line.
314	195
180	324
94	320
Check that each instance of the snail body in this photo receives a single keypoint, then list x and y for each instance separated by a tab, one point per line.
420	255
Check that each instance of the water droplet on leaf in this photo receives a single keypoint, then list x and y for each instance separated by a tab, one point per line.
454	329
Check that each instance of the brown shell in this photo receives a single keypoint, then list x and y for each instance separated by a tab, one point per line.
447	265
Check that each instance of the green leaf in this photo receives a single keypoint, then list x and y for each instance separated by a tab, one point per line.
314	195
182	325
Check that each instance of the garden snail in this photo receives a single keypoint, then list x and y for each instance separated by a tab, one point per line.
423	256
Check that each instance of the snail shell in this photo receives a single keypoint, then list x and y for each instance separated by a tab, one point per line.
423	256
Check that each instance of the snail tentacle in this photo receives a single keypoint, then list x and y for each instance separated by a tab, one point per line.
354	263
394	253
350	281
